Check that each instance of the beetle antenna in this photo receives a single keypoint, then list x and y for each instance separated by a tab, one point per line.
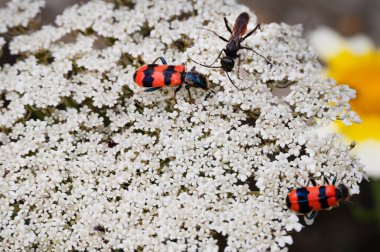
212	91
340	181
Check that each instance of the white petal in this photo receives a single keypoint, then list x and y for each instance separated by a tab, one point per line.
327	42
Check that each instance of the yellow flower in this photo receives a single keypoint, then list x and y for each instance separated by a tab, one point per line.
355	61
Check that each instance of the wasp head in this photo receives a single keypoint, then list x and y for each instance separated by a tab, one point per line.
228	63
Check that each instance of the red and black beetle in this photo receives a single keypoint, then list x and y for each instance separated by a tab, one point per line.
308	200
154	77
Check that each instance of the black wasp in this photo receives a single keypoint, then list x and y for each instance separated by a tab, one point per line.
233	45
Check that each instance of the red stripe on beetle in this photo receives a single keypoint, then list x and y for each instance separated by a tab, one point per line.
158	78
175	79
331	196
139	77
313	197
180	68
293	198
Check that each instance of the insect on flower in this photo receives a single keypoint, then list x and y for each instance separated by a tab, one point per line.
154	77
233	45
308	200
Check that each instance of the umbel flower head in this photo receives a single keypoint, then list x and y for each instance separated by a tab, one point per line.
87	162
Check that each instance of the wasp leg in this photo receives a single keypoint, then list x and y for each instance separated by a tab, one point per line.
224	39
228	27
238	73
188	90
152	89
250	49
162	60
251	32
312	181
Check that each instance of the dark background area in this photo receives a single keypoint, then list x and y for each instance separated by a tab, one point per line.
351	227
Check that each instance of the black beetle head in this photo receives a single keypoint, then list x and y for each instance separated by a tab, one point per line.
342	192
196	79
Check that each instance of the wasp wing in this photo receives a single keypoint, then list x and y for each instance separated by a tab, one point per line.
240	26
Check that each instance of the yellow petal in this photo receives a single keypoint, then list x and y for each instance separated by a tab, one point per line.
368	129
361	72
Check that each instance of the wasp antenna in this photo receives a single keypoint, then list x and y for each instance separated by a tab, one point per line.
231	80
203	64
260	25
206	29
222	38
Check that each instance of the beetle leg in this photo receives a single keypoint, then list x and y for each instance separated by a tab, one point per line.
312	215
175	93
152	89
209	93
309	219
188	90
162	60
327	182
312	181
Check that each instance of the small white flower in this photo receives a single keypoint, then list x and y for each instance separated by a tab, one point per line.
19	13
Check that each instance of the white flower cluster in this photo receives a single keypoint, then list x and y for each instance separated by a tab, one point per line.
89	163
19	13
